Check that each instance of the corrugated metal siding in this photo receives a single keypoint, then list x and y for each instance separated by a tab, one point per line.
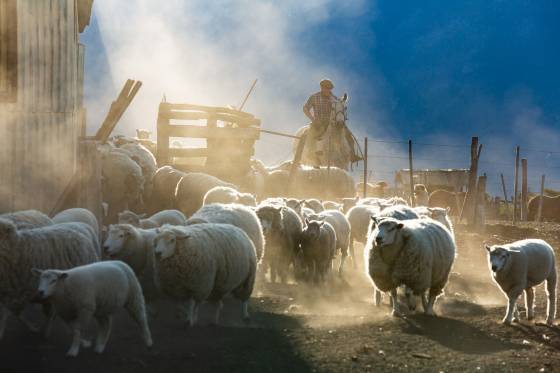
39	132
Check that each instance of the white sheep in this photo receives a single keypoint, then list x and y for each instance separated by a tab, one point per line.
399	212
242	217
28	219
60	246
97	291
205	262
417	253
520	266
341	227
192	188
165	183
282	229
172	217
318	248
224	194
77	215
147	162
359	218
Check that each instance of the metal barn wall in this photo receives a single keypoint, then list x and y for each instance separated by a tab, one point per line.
38	134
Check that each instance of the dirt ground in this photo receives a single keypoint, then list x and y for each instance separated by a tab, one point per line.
303	329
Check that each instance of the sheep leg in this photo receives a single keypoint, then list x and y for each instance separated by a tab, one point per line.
529	302
48	309
4	313
511	306
551	293
376	297
245	310
429	310
218	308
396	311
344	255
424	301
354	265
77	326
103	333
410	299
191	312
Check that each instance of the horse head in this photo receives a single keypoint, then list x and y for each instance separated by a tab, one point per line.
339	111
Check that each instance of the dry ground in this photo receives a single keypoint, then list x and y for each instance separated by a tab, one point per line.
301	329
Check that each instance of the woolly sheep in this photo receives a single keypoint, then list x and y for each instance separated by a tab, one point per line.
359	218
205	262
341	227
172	217
123	182
60	246
77	215
421	195
416	253
223	194
314	204
147	162
191	190
28	219
165	183
96	290
442	215
331	205
282	229
318	248
550	208
241	216
520	266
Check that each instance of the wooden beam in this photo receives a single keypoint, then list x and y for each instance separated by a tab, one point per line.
365	167
524	196
210	109
204	152
539	213
505	194
468	203
201	115
516	186
295	163
411	174
212	133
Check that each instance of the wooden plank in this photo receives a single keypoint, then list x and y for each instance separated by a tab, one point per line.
524	196
516	186
213	133
365	166
210	109
505	194
200	115
539	213
411	174
295	163
204	152
162	152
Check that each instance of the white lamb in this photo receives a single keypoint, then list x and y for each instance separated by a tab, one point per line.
520	266
172	217
205	262
97	291
417	253
224	194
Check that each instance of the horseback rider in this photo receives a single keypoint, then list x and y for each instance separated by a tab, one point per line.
321	103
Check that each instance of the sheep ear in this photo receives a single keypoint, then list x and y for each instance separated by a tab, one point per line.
400	226
36	271
321	223
487	248
374	220
306	221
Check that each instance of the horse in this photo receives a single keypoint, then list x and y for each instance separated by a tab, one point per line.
331	148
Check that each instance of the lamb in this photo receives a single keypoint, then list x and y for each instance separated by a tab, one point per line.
282	229
359	218
28	219
96	290
60	246
417	253
318	248
191	190
172	217
205	262
77	215
223	194
442	215
314	204
240	216
165	183
520	266
341	227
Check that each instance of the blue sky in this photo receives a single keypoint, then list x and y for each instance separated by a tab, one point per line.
436	72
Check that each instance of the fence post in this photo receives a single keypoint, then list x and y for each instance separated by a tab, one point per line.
295	163
505	194
469	201
480	203
365	166
515	185
524	198
411	173
539	214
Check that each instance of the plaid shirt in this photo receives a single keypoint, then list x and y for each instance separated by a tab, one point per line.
322	106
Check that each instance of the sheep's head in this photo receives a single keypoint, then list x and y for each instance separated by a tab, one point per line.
129	217
8	230
48	281
385	231
312	230
439	213
116	240
270	217
165	242
498	257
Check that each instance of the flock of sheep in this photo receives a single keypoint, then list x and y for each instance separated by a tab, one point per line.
204	240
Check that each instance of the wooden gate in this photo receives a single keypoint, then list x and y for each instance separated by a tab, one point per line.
230	138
